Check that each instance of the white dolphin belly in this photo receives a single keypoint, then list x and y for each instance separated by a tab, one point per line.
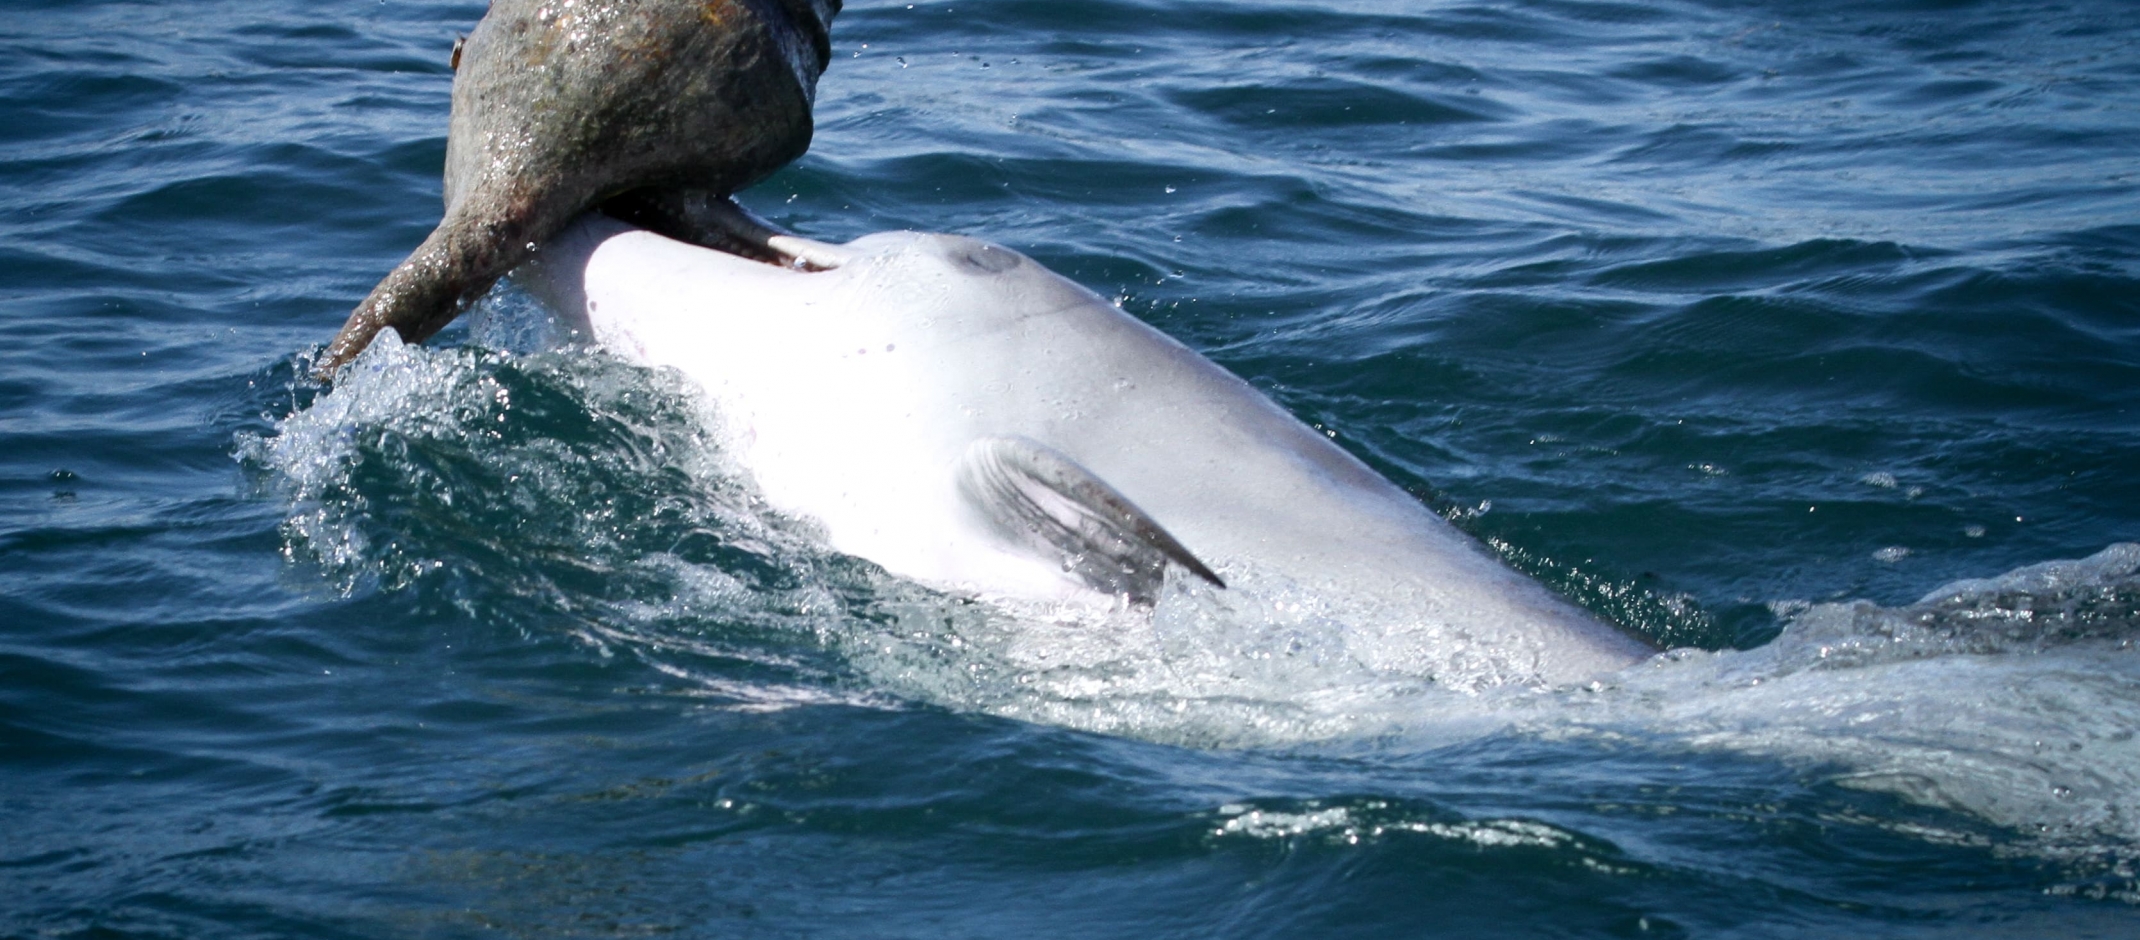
855	397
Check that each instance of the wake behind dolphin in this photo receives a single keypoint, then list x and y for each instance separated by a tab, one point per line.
958	414
2009	699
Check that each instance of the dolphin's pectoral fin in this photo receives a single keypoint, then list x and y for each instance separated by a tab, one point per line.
1040	499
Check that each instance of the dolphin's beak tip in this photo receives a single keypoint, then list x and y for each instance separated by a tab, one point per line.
813	255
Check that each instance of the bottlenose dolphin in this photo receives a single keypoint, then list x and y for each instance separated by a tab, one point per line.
659	105
958	414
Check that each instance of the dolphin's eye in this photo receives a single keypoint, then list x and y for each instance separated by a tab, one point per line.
986	258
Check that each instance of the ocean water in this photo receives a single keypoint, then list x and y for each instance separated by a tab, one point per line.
1800	338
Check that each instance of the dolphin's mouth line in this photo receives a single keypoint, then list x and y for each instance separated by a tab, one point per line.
701	217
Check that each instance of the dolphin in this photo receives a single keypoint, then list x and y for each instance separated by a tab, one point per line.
653	105
961	416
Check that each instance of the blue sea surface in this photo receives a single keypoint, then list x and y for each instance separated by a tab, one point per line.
1800	338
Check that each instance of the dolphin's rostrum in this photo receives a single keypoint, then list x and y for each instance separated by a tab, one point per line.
559	105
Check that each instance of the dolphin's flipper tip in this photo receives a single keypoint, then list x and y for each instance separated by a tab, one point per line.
1036	497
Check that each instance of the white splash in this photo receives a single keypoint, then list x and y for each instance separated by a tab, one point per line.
2013	699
